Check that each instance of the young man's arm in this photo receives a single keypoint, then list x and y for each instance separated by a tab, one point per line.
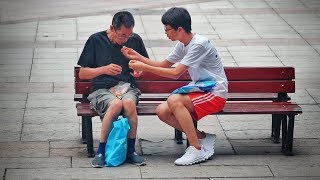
133	55
170	72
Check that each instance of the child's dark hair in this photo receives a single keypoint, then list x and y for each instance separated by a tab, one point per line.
124	18
177	17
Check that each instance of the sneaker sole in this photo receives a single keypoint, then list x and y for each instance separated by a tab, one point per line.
138	164
191	163
210	153
96	166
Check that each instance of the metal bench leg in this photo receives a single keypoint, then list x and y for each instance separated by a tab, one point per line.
83	135
272	126
275	130
290	136
284	134
287	135
178	136
88	125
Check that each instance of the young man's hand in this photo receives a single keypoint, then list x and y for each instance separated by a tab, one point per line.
136	73
130	53
136	65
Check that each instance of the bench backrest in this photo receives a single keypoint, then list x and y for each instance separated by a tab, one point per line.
241	80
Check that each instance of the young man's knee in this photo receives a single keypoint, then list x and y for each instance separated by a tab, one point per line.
162	110
174	101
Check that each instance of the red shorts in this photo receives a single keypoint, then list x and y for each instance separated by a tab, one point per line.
205	104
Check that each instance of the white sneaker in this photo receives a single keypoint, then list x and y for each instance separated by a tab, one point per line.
192	156
208	144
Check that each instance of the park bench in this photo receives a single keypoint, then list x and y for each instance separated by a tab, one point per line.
252	90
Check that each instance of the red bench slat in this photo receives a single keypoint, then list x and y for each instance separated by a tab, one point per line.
231	97
262	86
259	73
83	109
232	73
278	86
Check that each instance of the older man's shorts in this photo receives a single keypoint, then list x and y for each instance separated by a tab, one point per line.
205	104
101	98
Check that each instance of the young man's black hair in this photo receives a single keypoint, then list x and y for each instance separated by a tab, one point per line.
177	17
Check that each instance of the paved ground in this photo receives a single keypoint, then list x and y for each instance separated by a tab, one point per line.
40	42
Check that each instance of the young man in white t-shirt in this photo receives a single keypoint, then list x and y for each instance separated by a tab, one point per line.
193	53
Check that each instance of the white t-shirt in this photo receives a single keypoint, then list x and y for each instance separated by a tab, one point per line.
203	61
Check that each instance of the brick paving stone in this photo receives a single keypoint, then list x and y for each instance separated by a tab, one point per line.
249	4
50	104
48	132
285	4
63	87
57	66
50	96
288	170
12	104
15	73
216	5
66	144
14	79
246	11
310	108
27	44
74	173
254	160
70	152
49	53
257	150
2	171
24	149
313	41
13	96
10	132
63	30
205	171
57	115
26	87
18	32
233	122
54	76
275	41
30	163
249	134
315	94
305	150
66	61
228	42
27	62
11	116
302	97
68	44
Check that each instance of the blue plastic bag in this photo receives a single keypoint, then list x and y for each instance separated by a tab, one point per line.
116	147
201	86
